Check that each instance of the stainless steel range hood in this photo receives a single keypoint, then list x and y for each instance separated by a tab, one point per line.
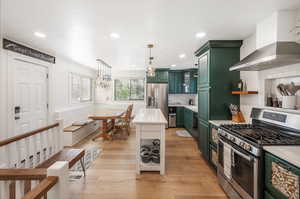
271	56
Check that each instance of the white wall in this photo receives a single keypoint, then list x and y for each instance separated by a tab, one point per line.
61	71
298	23
2	80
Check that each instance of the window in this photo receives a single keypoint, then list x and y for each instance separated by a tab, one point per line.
129	89
81	88
86	89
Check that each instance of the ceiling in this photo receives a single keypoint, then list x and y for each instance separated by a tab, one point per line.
80	29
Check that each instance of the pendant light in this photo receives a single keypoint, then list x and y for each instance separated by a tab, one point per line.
150	70
103	74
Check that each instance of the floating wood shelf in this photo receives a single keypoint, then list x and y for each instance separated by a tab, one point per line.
244	92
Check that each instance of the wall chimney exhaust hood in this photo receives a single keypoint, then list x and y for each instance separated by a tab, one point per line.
271	56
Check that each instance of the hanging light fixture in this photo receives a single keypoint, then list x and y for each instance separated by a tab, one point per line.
103	74
150	69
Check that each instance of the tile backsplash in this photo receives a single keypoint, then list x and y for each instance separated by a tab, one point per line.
182	98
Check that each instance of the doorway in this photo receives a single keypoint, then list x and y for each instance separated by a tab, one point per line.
27	94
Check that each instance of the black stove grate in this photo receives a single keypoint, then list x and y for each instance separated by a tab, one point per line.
262	135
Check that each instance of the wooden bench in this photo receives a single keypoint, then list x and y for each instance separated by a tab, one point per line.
77	125
72	128
75	133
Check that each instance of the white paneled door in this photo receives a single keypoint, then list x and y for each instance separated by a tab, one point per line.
29	93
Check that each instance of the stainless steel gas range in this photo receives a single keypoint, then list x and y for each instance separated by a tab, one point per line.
240	153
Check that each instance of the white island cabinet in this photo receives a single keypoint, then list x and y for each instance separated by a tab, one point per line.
150	127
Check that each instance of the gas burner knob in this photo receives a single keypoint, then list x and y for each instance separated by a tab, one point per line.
226	134
248	147
242	144
232	139
223	133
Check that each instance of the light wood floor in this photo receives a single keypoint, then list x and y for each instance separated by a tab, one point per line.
112	175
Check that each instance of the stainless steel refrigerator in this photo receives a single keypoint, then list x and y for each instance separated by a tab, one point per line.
157	97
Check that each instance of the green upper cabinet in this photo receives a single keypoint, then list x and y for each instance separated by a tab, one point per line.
203	72
177	81
161	76
172	82
194	80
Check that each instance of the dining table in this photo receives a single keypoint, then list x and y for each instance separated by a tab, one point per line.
108	117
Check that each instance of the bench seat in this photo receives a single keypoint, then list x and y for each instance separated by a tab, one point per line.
70	155
72	128
76	133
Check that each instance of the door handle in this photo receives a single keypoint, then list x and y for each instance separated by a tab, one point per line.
249	158
17	112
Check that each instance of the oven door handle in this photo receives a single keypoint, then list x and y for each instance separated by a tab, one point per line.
247	157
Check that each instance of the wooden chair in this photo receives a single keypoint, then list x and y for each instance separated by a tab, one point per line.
124	122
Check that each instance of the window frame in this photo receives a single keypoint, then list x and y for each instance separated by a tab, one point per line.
81	77
130	90
91	89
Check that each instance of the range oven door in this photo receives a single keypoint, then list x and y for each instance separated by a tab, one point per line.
244	173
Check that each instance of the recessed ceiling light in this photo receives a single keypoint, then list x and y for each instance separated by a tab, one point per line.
39	34
114	35
173	65
200	35
182	56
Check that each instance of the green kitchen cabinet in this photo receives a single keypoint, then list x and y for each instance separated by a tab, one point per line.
161	76
268	196
215	83
203	104
178	82
281	178
203	141
186	86
179	117
203	70
214	61
188	119
190	81
193	81
172	83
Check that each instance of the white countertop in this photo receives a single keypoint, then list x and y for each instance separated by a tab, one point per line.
149	116
191	107
220	122
177	105
288	153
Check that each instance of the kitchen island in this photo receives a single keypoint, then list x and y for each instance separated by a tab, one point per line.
150	140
